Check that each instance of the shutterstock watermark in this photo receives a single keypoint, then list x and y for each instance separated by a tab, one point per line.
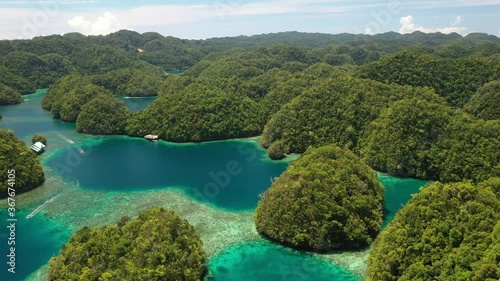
381	19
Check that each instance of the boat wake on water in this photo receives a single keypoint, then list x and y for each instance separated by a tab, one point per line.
41	207
68	140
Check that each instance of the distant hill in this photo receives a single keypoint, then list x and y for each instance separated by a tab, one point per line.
27	65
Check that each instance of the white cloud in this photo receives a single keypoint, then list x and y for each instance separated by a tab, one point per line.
369	31
20	23
103	25
408	26
454	3
451	29
275	7
151	15
457	21
174	19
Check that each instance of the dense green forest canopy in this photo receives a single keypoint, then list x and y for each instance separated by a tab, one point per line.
335	111
68	95
401	139
327	199
9	96
27	72
493	183
131	82
429	140
199	112
16	82
103	115
454	79
39	138
485	103
446	232
158	245
101	59
255	84
15	155
27	65
469	148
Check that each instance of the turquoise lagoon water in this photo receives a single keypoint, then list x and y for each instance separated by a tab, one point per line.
397	192
263	261
175	72
137	103
36	241
227	175
29	118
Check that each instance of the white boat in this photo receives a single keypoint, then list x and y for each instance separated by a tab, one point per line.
152	137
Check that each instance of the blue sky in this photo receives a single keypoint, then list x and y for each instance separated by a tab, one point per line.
218	18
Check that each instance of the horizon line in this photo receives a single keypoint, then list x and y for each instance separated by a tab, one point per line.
260	34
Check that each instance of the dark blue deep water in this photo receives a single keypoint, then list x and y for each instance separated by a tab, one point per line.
28	118
228	174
